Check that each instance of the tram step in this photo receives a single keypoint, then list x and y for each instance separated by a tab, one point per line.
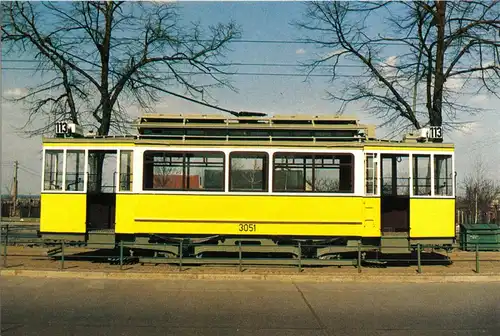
394	244
101	239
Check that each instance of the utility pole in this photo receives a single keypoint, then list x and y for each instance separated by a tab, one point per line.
14	189
476	212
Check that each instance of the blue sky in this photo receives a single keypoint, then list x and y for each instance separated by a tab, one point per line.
272	94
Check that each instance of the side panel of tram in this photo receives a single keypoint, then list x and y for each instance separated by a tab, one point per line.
256	215
247	191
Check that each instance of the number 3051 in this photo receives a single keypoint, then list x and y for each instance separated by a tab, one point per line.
247	227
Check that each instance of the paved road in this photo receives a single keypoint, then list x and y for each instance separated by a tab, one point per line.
128	307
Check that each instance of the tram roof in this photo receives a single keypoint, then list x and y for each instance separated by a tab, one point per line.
288	122
277	130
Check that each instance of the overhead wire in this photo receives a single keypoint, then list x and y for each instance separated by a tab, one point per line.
270	74
29	170
278	65
387	43
20	166
224	64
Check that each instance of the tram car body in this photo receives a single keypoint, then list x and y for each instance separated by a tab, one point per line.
219	180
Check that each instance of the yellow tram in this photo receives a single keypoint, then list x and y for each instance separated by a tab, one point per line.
218	179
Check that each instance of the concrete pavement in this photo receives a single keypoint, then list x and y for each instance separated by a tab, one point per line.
42	306
216	275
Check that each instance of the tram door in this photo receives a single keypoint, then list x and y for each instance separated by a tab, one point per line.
395	193
101	191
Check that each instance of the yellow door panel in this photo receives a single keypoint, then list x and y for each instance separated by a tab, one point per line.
124	213
63	213
432	217
372	217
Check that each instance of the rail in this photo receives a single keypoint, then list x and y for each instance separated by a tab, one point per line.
20	248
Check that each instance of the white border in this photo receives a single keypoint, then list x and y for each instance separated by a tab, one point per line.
86	175
65	153
118	170
118	166
43	172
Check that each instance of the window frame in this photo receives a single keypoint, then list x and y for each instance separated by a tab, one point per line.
265	170
63	170
184	170
83	172
451	157
415	177
119	170
313	156
64	190
376	173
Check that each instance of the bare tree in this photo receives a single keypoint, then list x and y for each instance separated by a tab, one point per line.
324	184
479	192
103	53
247	173
164	177
440	44
100	57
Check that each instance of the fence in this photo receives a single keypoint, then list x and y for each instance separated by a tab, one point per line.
26	208
121	254
464	216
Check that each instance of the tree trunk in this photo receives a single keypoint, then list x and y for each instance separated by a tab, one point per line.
436	118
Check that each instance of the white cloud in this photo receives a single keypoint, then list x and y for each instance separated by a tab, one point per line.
470	128
391	61
300	51
479	99
15	92
454	83
388	66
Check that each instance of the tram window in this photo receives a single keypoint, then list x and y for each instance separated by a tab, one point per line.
204	171
75	170
443	175
200	171
371	174
248	172
421	175
126	170
293	173
328	173
395	175
53	170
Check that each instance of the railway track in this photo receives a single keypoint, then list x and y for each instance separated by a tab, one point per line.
20	232
26	235
23	233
